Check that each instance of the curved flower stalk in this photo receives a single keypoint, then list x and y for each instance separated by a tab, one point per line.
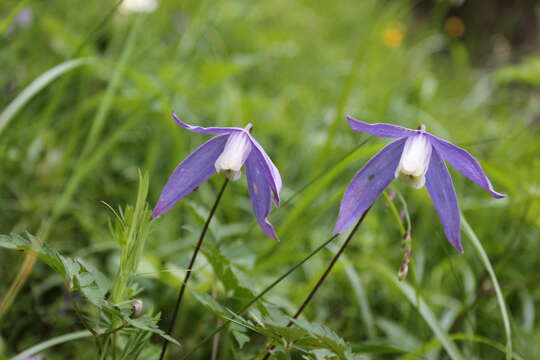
233	148
417	158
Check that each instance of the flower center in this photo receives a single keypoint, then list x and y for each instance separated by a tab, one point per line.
414	161
234	155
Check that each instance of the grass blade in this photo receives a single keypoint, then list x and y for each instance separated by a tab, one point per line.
36	86
500	298
423	308
36	349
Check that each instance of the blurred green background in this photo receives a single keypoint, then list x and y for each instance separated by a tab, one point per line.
469	70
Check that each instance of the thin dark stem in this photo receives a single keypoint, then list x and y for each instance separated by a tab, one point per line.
190	268
261	294
322	278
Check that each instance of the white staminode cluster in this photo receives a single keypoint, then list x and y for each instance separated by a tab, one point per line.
128	6
234	155
414	161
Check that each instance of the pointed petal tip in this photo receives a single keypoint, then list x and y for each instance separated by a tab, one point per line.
458	247
158	211
177	120
340	227
268	229
497	195
455	241
379	129
465	163
352	121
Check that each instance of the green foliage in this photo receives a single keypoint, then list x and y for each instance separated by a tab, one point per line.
117	311
78	276
528	72
304	335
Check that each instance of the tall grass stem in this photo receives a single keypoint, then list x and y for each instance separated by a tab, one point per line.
321	280
190	267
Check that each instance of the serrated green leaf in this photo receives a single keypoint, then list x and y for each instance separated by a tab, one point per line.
93	284
149	323
30	244
326	338
227	273
240	337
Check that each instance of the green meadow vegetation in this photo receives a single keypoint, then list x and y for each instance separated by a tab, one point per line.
87	143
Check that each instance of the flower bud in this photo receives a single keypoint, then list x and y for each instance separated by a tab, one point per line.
137	307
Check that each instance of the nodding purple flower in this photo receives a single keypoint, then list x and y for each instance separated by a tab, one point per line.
417	158
233	148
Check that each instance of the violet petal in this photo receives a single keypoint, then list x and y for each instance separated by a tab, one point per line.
441	189
259	184
464	162
368	183
270	169
190	174
380	129
207	130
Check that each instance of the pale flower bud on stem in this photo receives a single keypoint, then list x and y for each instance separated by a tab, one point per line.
137	307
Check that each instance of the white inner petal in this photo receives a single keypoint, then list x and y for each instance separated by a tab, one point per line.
234	155
414	161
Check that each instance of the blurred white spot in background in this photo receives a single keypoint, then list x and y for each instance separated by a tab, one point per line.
130	6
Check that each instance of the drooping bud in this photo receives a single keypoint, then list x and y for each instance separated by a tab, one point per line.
407	255
138	308
234	155
414	161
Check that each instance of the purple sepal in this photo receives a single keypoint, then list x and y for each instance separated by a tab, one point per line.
270	170
368	184
208	130
260	190
441	189
190	174
380	130
464	162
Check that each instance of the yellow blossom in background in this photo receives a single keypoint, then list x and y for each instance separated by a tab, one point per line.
454	27
393	35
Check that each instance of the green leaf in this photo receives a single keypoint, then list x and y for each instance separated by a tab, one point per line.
93	284
149	323
326	338
211	304
227	273
240	336
30	244
378	349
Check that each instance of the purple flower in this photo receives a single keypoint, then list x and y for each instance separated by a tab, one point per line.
227	153
22	20
417	158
